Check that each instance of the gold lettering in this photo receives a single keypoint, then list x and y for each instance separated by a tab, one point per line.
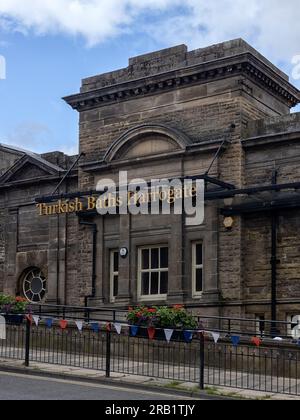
91	203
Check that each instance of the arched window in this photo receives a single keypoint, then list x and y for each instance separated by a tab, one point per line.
34	285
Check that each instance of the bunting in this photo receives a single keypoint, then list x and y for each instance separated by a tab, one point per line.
235	340
256	341
188	336
134	330
216	337
29	318
118	328
169	334
36	320
95	327
63	324
49	322
79	325
151	333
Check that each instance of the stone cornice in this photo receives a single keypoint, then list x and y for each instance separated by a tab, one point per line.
244	64
271	139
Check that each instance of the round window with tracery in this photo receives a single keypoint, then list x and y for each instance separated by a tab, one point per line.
34	285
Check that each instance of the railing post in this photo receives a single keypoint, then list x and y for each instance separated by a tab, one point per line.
108	353
202	360
27	342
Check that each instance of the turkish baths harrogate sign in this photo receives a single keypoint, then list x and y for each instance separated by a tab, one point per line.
161	197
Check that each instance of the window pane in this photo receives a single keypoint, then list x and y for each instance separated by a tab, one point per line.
154	258
145	284
145	259
199	280
116	262
164	258
116	286
164	282
199	254
154	283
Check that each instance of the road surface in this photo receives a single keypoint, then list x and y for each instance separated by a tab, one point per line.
25	387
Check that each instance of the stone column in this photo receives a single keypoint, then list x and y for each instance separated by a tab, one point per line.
124	263
176	294
211	276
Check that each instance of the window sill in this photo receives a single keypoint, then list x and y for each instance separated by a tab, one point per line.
152	298
198	295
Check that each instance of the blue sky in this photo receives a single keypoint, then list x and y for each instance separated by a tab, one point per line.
50	45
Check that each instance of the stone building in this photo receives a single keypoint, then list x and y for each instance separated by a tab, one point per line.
221	113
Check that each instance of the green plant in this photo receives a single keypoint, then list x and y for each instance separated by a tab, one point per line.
176	317
14	305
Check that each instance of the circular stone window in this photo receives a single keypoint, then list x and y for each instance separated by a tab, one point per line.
34	285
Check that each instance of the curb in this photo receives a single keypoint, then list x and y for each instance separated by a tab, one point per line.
77	378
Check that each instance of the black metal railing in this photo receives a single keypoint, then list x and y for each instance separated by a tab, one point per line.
271	367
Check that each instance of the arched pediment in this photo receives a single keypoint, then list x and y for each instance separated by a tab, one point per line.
146	141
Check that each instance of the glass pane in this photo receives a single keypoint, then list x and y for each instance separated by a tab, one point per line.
164	258
164	276
154	258
116	286
154	283
145	284
199	254
145	259
116	262
199	280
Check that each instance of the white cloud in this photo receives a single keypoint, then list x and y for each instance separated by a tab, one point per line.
270	25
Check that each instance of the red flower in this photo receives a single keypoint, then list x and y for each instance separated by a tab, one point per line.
139	314
152	311
130	308
178	307
20	299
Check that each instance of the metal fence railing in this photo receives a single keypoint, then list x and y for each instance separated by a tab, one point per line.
271	367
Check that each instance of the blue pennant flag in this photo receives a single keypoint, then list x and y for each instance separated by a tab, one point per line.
235	340
49	322
95	327
188	336
134	330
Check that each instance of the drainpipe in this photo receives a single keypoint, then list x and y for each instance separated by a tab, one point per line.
94	276
274	262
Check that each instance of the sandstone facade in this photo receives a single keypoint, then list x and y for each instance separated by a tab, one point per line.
165	116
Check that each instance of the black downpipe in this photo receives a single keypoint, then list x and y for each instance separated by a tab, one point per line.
274	262
94	255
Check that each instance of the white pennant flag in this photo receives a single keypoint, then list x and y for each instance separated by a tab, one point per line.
79	325
168	334
36	320
2	328
118	328
216	337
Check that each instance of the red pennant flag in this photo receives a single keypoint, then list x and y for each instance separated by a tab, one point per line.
151	333
108	327
256	341
63	324
29	318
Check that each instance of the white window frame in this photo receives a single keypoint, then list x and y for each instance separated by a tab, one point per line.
146	298
113	273
195	267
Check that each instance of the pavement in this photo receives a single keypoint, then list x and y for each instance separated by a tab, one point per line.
126	386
